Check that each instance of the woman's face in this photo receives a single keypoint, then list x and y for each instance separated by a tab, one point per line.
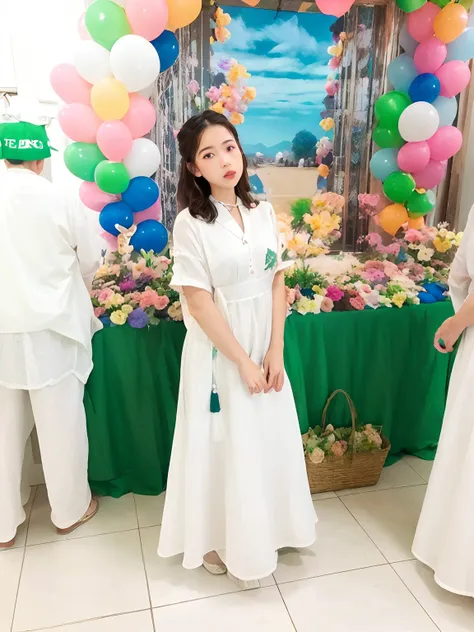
219	159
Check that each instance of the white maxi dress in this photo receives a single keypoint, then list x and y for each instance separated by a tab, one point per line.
444	537
237	481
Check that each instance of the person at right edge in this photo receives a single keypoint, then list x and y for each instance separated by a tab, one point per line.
443	538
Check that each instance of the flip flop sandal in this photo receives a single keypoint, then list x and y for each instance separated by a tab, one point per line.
81	522
7	545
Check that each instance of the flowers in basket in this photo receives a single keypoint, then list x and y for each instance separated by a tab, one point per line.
232	98
134	289
329	441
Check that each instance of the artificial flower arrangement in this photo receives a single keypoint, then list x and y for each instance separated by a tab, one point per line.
220	33
232	98
326	442
134	289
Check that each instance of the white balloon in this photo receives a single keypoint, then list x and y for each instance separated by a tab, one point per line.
134	62
148	91
406	41
92	61
418	122
144	158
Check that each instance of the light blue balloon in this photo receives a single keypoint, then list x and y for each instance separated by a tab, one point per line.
462	48
383	163
406	41
401	72
447	110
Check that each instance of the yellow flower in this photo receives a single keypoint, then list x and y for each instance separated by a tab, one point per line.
399	299
442	245
217	107
336	51
226	91
318	290
236	118
118	317
175	311
298	245
103	271
459	238
212	40
114	301
327	124
238	71
450	235
314	250
221	18
249	94
314	221
323	171
222	34
127	309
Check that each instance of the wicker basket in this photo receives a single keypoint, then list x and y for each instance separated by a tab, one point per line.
354	469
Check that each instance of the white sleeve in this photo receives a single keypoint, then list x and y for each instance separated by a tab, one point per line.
459	278
281	265
190	268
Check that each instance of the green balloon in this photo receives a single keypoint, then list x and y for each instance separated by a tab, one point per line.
399	186
112	177
386	137
82	159
441	3
420	204
107	22
389	107
411	5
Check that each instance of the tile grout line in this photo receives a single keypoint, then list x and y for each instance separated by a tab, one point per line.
348	570
144	565
33	493
413	595
286	607
77	538
408	463
80	621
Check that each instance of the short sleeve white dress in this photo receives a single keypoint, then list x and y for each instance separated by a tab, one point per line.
237	481
444	537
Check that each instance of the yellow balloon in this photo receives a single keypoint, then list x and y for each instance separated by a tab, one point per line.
182	13
450	22
417	223
392	218
110	99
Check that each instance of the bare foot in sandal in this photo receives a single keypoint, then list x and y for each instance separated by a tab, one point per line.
7	545
91	512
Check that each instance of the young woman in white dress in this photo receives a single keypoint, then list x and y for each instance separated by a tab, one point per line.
444	535
237	488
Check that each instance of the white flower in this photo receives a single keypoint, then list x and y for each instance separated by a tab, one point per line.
316	456
425	254
384	300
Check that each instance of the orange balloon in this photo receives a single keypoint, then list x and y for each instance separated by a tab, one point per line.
182	13
450	22
392	218
416	224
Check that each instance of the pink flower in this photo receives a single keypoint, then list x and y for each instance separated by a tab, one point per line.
391	249
374	239
373	263
334	63
214	94
105	295
339	448
390	269
99	311
372	275
150	298
357	303
193	87
290	296
115	270
334	293
327	305
414	236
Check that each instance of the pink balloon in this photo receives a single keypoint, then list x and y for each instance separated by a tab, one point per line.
334	7
445	143
141	117
431	176
94	198
154	212
82	28
115	140
430	55
454	77
421	23
69	85
147	18
79	122
414	157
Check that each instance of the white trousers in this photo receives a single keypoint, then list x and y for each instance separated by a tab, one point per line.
59	416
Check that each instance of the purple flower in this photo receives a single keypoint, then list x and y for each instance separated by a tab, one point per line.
128	285
143	281
225	64
138	319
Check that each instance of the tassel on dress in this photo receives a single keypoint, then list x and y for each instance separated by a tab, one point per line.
215	403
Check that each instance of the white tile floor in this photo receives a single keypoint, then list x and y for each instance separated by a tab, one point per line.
359	577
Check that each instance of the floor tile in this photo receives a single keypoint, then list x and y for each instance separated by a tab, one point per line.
75	580
368	600
341	545
170	583
421	467
10	569
451	613
135	622
390	518
324	496
399	474
114	515
20	540
253	611
150	510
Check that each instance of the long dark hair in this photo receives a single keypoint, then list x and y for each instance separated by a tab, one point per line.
193	192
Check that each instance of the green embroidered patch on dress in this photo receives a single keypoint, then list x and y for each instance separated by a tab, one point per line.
270	259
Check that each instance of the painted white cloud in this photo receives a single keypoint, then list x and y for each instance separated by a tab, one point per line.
278	65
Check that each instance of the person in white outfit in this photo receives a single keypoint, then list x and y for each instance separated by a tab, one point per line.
443	538
47	257
237	488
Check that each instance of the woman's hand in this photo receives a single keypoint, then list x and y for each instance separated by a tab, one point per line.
448	333
253	376
274	369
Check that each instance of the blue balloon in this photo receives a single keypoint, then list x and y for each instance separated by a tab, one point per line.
116	213
401	72
142	193
447	110
167	47
426	87
383	163
150	235
462	48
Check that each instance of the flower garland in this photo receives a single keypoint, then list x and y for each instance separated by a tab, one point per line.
220	33
232	98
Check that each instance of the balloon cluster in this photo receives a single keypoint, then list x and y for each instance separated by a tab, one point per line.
107	112
415	120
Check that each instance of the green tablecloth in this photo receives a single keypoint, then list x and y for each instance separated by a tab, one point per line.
384	359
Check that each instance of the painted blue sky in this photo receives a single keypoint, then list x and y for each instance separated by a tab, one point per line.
287	58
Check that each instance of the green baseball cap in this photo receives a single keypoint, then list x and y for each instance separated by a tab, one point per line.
24	141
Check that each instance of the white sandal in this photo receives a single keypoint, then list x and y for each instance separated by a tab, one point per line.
252	584
218	568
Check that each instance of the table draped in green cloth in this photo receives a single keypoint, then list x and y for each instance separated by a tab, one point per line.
384	359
